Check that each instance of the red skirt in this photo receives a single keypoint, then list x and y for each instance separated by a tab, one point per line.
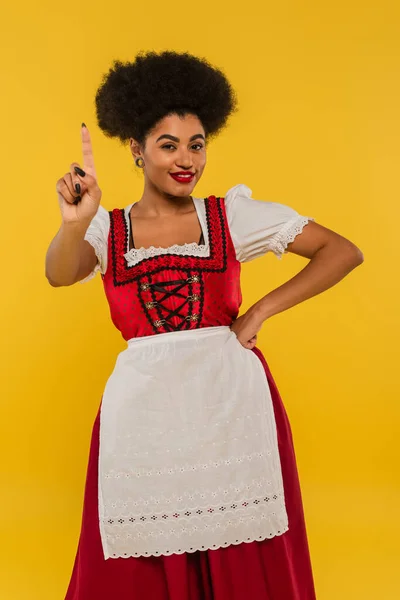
273	569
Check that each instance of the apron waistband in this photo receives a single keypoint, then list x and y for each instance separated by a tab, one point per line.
187	333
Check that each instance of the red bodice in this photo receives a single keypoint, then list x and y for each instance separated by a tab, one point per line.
172	292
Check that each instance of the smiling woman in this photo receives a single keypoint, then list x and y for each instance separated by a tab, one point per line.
192	488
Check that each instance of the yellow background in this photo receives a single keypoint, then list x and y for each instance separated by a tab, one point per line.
318	129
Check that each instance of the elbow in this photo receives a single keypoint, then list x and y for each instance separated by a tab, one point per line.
47	275
52	283
344	252
56	282
352	255
357	256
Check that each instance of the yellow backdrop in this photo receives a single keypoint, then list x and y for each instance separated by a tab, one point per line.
318	129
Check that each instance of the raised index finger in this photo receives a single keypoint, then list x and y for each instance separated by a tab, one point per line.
87	151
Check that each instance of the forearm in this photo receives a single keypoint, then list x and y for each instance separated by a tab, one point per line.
327	267
63	255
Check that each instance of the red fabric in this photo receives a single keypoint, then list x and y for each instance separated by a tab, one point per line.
274	569
217	288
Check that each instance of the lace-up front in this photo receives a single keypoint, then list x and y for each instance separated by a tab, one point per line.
163	291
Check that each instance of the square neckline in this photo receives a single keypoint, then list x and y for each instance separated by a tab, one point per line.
198	249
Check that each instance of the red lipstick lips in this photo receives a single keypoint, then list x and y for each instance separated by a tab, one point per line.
182	176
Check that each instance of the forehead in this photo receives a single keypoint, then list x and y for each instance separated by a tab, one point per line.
180	127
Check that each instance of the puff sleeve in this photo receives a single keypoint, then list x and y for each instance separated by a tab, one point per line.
97	235
258	226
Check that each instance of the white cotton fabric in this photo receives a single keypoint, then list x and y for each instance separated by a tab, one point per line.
97	236
256	227
259	226
182	469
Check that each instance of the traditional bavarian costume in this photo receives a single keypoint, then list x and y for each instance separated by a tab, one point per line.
191	450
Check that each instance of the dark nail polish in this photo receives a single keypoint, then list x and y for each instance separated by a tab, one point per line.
78	199
83	125
78	188
79	171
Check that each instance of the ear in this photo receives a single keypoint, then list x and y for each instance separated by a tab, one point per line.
135	148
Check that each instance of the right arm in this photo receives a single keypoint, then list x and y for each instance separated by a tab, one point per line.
70	258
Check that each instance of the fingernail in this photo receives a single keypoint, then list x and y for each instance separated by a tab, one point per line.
79	171
78	187
83	125
78	199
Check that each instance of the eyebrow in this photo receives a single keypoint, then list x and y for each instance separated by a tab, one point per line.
175	139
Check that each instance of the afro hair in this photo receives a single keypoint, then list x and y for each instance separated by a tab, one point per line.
134	96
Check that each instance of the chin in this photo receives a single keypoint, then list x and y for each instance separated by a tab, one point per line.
171	193
181	189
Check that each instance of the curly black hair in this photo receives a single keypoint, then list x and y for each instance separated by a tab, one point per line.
134	96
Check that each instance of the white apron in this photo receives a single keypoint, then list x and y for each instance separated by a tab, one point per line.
188	447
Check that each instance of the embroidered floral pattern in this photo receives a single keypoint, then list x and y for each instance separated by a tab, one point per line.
202	526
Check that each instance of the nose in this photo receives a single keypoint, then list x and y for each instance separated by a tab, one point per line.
184	161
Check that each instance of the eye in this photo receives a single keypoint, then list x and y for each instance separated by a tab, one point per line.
172	146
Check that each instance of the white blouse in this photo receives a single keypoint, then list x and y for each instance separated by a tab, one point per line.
256	227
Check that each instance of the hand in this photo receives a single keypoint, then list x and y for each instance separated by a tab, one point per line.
80	206
246	328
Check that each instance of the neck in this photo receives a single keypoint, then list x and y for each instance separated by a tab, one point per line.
157	203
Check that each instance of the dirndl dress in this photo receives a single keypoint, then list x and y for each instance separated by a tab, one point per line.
192	490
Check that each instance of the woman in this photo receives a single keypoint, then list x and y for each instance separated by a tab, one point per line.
192	489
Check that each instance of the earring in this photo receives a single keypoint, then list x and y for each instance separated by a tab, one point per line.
137	162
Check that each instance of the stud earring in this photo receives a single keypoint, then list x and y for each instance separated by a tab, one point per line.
137	162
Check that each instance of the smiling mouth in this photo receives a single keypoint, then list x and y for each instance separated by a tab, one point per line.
182	178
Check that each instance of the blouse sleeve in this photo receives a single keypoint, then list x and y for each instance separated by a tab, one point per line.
97	235
258	226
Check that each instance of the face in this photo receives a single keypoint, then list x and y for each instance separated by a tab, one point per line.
175	144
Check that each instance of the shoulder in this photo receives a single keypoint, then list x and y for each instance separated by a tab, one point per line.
100	224
240	189
259	226
240	205
102	215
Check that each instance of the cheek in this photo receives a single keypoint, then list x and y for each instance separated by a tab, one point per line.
164	161
201	165
159	165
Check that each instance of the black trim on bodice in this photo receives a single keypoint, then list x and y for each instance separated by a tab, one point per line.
124	274
153	292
